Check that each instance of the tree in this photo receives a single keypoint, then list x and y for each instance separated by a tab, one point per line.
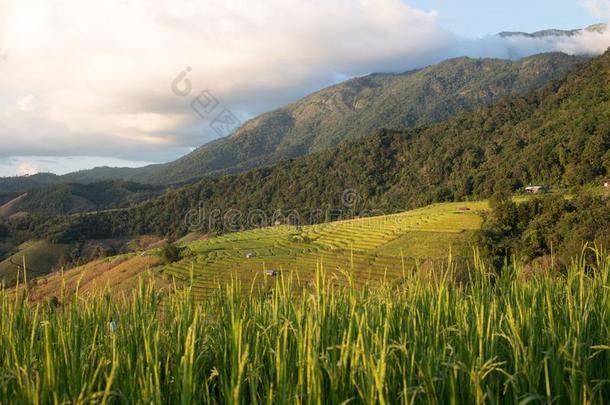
170	253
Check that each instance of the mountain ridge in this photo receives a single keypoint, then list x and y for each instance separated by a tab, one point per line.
554	32
347	111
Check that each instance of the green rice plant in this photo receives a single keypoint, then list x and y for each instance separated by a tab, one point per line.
427	337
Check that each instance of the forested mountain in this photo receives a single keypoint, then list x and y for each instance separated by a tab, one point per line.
557	136
19	184
349	110
357	107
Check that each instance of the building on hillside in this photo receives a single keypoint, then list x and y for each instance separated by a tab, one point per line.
535	189
463	209
250	255
607	183
272	273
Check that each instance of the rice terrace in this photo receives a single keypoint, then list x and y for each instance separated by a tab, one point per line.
301	202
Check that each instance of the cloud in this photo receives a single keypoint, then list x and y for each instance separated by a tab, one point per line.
96	78
27	168
28	165
597	8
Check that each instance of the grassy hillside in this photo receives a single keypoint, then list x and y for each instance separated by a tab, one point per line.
11	206
41	257
119	273
369	249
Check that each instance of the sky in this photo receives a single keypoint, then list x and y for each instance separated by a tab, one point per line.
476	18
131	82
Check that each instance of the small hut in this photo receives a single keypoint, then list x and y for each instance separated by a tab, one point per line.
534	189
272	273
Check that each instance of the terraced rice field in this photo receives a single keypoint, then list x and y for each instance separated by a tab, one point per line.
368	249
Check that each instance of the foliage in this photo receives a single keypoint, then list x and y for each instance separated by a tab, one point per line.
544	226
170	253
66	199
485	340
16	185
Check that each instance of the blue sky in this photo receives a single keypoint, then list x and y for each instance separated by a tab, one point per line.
475	18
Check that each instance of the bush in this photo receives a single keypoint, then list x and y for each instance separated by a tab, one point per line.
170	253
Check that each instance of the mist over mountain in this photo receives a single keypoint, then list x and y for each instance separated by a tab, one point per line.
599	28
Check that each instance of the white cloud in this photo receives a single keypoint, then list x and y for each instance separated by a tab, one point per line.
94	78
28	103
597	8
102	70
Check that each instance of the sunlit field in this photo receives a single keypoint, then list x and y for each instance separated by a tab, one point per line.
371	250
444	336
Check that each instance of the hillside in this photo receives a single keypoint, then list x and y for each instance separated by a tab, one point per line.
65	199
41	257
346	111
11	205
356	107
120	273
558	136
372	248
20	184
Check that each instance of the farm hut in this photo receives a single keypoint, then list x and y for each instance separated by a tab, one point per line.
534	189
463	209
272	273
250	255
607	183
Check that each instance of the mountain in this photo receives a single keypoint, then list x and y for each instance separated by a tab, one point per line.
19	184
346	111
553	32
356	107
557	136
540	34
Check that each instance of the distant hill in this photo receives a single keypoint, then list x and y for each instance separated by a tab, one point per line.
41	258
553	32
65	199
347	111
9	186
558	136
